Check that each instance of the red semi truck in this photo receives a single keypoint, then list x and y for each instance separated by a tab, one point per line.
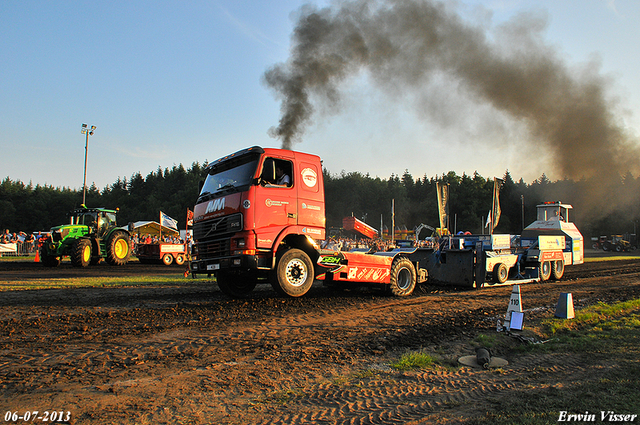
249	229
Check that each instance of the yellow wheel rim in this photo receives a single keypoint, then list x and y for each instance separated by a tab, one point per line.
121	248
86	254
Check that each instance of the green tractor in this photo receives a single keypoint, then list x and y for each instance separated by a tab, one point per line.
91	236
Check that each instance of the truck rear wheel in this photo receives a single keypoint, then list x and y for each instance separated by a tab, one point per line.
403	277
235	285
557	271
81	253
118	248
294	274
180	259
544	270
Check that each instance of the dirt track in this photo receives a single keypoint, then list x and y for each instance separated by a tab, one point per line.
187	354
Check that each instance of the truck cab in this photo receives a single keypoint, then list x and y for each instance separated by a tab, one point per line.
248	215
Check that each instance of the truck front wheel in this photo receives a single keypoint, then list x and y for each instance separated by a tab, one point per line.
235	285
403	278
118	249
81	253
294	274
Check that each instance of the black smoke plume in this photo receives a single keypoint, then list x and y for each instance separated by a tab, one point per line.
403	45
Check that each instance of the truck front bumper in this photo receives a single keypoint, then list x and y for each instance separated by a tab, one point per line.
238	262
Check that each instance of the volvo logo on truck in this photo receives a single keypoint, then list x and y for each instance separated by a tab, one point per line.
215	205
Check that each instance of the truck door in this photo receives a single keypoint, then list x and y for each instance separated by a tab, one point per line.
276	206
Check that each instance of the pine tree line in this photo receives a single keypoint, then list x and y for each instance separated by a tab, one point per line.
600	207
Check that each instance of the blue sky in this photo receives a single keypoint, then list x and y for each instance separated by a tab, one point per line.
170	82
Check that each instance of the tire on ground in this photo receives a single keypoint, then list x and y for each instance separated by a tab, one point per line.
500	273
81	253
294	273
180	259
557	270
118	248
544	270
167	259
48	260
235	285
403	277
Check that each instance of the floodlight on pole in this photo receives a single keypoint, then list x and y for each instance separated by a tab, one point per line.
89	132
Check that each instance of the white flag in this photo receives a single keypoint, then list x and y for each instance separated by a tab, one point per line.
167	221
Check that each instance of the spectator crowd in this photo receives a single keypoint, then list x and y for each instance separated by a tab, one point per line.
25	243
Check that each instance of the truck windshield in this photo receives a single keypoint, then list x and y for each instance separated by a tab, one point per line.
230	175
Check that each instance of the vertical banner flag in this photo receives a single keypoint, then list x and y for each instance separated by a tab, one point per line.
167	221
189	218
496	211
442	190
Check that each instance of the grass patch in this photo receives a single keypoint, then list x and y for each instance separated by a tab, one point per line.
606	340
93	282
612	258
414	360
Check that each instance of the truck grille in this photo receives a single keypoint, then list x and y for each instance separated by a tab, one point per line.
212	236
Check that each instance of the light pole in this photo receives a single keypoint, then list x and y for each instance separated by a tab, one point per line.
88	132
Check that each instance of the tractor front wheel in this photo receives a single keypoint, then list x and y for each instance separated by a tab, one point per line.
48	260
81	253
118	248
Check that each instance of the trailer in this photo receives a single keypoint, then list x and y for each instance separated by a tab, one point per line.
539	254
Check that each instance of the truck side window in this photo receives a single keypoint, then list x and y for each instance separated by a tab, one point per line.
276	173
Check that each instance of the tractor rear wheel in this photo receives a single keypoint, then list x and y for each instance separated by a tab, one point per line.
118	248
403	278
81	253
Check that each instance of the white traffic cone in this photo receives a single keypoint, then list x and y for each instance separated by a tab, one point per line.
515	305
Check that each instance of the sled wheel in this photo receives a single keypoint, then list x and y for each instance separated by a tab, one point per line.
81	253
403	278
544	271
557	271
294	273
500	273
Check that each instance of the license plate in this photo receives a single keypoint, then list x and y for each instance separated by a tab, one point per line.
213	267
